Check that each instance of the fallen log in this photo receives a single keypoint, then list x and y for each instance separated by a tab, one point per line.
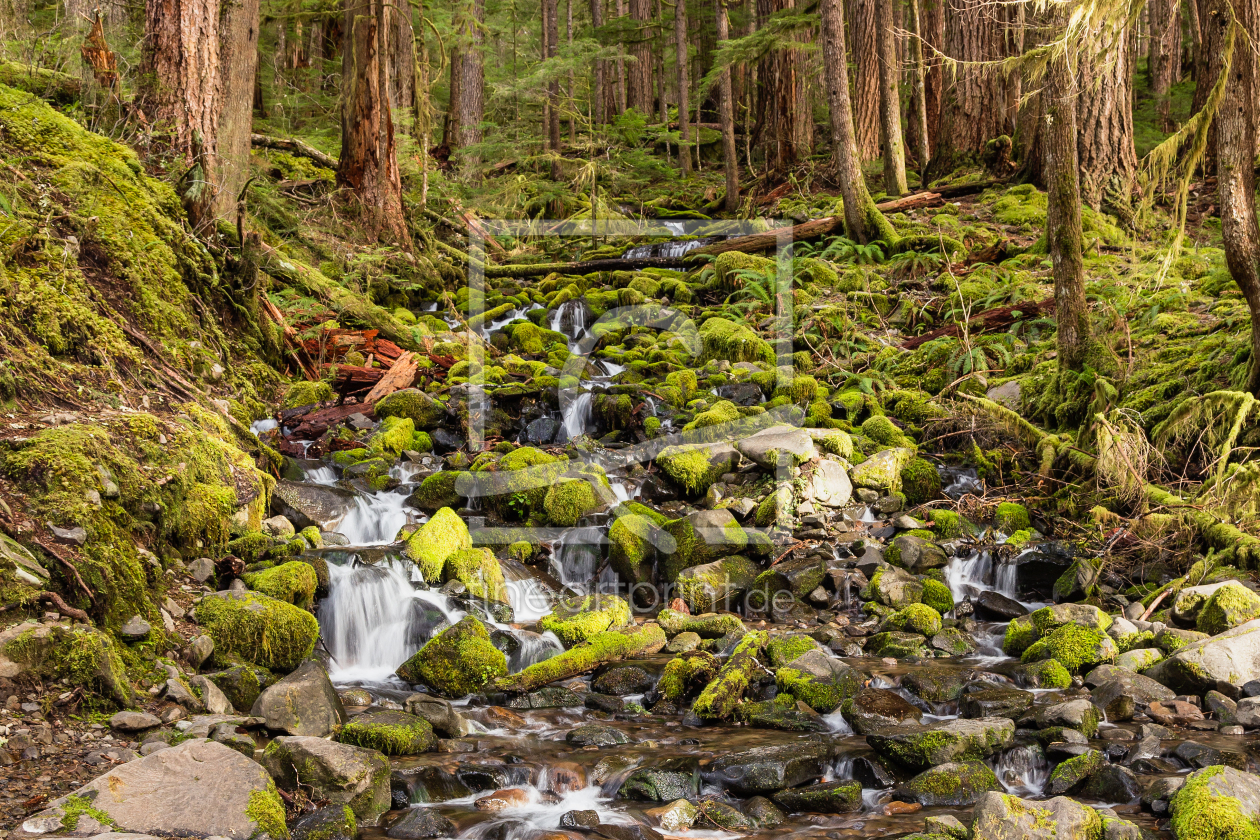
726	691
294	147
401	374
599	649
290	338
587	267
61	88
315	423
990	320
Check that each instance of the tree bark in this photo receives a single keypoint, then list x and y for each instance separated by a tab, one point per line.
971	111
1108	160
368	165
599	97
639	82
182	91
1164	56
934	82
864	26
726	111
623	92
472	75
890	103
1235	122
684	100
1063	214
551	20
862	220
238	58
918	100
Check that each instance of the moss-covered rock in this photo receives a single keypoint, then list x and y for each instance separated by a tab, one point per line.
882	471
716	585
1229	606
443	535
955	785
701	538
920	481
937	596
1076	648
1048	673
706	626
695	467
82	656
569	501
820	681
392	438
423	410
456	662
916	618
686	675
632	540
257	629
726	690
436	491
577	618
389	732
294	582
939	743
1217	803
723	339
1011	517
479	570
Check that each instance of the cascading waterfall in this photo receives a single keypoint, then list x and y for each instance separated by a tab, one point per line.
376	518
577	556
577	416
1023	771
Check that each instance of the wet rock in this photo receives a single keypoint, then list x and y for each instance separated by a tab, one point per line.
623	680
627	832
896	644
1174	712
700	538
988	700
596	735
678	815
821	681
1162	789
994	606
724	816
136	629
877	709
501	800
389	732
770	768
665	781
340	773
936	683
1001	817
1036	571
717	585
872	773
953	642
303	703
783	713
541	431
603	702
893	587
915	554
440	714
311	504
1199	756
825	798
1071	774
325	824
589	819
1112	783
1081	715
199	788
683	642
955	785
943	742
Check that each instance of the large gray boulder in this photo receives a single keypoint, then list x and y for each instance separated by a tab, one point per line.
773	768
199	788
1190	600
1216	803
769	447
340	773
939	743
1223	663
882	471
955	784
999	816
311	504
828	485
893	587
303	703
880	710
440	714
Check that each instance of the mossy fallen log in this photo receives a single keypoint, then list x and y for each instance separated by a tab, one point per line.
602	648
724	693
61	88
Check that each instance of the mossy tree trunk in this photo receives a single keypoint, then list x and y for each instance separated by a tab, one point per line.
471	74
917	131
1164	55
862	220
684	98
890	103
599	96
933	34
1235	126
368	165
726	113
182	92
1063	213
864	23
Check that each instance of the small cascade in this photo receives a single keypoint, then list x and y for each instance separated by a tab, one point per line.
571	319
325	476
577	416
530	598
672	249
376	519
533	647
374	618
1023	771
577	556
541	813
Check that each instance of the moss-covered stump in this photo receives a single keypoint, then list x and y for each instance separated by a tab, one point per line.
1217	803
258	629
443	535
294	582
955	785
726	690
600	649
955	740
706	626
456	662
577	618
479	570
392	733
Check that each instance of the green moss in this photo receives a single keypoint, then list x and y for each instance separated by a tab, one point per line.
937	596
249	547
521	551
1199	812
456	662
836	442
258	629
1020	634
689	467
723	339
720	414
423	410
569	501
686	675
437	491
884	432
919	481
784	649
293	582
728	265
1229	606
392	733
1011	517
1075	647
1048	673
267	811
78	806
916	618
578	618
720	697
631	552
443	535
479	570
307	393
823	696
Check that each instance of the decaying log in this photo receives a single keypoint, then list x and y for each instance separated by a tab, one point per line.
401	374
990	320
294	147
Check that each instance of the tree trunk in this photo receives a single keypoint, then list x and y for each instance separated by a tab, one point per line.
684	100
1063	214
639	82
1235	122
551	17
599	97
238	58
278	59
726	111
450	130
890	103
402	62
472	75
571	93
864	25
918	100
183	91
862	220
315	56
934	81
658	54
1108	161
369	164
1164	56
623	91
971	111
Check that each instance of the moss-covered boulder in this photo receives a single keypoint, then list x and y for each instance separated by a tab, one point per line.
915	554
577	618
686	675
716	585
915	618
1229	606
882	471
701	538
955	785
937	596
634	540
1071	773
893	587
821	798
258	629
1074	647
516	485
389	732
434	541
706	625
294	582
568	501
83	656
479	570
1011	517
342	774
394	435
1217	803
723	339
1000	816
940	743
920	481
456	662
822	682
694	467
436	491
421	409
897	644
